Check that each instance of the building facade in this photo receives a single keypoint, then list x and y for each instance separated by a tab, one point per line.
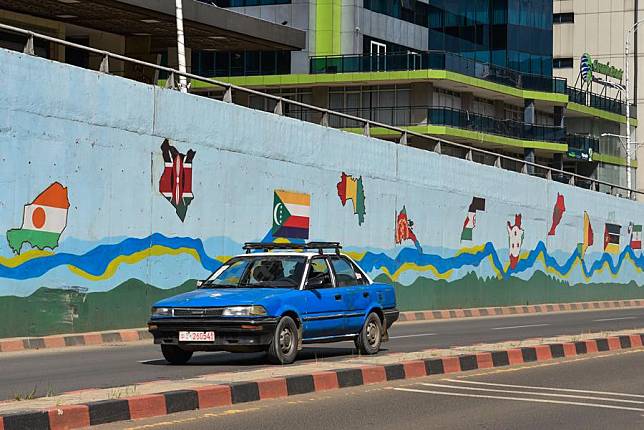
478	72
600	29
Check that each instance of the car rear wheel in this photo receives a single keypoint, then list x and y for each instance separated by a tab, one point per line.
370	337
283	347
175	355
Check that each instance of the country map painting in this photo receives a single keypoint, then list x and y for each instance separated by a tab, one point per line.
350	188
43	220
176	181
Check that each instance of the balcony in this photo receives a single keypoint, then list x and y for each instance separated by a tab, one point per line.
582	147
436	60
444	116
598	101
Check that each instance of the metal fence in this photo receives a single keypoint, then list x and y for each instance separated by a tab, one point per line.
284	106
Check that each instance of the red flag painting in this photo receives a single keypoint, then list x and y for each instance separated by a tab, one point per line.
557	214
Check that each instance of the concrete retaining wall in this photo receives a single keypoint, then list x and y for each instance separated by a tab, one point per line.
100	140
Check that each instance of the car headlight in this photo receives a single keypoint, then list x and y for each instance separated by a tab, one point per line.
161	312
244	311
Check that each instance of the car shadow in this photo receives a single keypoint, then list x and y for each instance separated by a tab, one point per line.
255	359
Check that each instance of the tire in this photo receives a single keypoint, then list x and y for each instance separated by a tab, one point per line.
175	355
370	337
283	347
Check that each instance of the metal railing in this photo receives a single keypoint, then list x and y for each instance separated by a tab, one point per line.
437	60
422	115
598	101
322	116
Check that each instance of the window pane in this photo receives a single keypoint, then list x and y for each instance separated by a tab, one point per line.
344	274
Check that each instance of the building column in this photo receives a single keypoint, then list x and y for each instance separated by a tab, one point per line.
529	117
467	101
499	109
139	47
422	97
320	98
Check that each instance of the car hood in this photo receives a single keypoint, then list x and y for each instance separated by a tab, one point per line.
211	297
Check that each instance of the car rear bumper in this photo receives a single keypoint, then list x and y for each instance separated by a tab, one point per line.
391	316
234	334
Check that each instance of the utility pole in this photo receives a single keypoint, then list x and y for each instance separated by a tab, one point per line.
629	181
181	48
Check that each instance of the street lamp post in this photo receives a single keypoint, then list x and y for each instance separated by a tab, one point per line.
181	48
628	105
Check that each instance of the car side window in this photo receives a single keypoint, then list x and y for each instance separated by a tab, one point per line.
345	274
319	269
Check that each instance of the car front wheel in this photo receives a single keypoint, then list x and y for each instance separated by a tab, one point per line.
370	337
175	355
283	347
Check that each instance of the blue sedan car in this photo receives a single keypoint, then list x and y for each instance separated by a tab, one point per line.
275	298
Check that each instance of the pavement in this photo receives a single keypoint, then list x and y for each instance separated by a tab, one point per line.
589	392
53	371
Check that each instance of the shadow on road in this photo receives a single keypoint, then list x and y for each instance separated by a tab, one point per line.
259	358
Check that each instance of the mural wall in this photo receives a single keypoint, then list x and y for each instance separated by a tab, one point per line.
115	194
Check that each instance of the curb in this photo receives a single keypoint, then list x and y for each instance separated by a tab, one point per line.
137	334
516	310
80	339
110	411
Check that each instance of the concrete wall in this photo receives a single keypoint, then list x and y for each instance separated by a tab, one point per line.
124	245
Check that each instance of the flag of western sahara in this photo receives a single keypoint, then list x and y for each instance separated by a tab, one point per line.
291	214
478	204
611	238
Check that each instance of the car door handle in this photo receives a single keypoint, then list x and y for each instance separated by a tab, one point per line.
338	297
365	294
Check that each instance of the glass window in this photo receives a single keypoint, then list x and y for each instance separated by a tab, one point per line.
319	269
258	272
345	274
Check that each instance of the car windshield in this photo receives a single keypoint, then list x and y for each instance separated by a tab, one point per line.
258	272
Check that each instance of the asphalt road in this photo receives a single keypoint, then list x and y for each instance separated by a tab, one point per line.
55	372
598	392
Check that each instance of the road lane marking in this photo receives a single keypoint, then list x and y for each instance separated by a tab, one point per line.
521	399
615	319
568	390
519	326
412	335
533	393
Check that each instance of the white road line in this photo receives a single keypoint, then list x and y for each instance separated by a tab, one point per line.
519	326
533	393
521	399
413	335
615	319
567	390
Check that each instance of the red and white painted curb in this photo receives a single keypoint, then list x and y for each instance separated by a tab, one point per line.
137	334
109	411
517	310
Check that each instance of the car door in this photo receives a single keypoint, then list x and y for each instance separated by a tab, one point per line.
356	294
325	305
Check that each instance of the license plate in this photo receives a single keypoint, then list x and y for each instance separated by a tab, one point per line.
196	336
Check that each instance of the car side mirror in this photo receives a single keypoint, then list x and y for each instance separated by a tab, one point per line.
199	283
314	283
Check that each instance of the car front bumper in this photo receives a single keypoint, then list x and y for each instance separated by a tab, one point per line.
231	334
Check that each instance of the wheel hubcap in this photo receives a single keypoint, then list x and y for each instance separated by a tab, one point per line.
372	333
286	340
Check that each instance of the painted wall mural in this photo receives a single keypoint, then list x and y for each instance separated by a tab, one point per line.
43	220
557	214
99	243
477	205
405	230
176	180
350	188
291	212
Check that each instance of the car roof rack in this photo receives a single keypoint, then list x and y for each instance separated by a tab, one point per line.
320	246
